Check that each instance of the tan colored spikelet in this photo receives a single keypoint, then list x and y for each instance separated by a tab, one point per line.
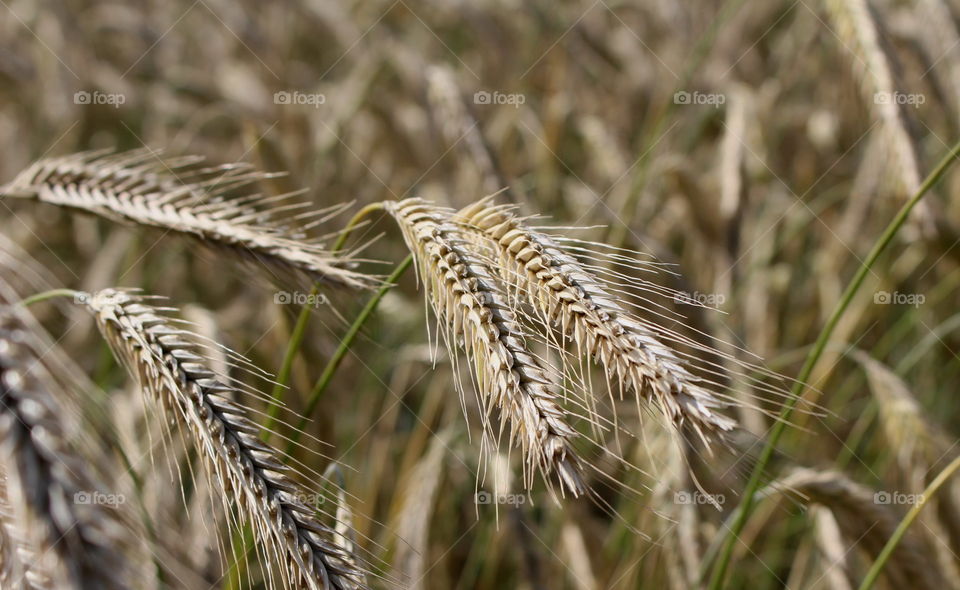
582	307
471	304
414	515
182	198
858	26
171	370
866	521
917	441
575	550
832	548
921	447
940	36
345	536
78	543
460	130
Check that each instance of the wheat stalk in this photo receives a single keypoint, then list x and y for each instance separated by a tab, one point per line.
78	544
579	303
471	304
169	368
182	198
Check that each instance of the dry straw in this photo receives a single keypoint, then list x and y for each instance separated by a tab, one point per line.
183	198
170	368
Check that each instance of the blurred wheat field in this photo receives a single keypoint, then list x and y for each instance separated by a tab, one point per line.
479	295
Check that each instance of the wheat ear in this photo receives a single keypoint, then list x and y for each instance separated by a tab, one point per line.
180	197
170	369
77	544
864	520
571	297
471	304
459	129
15	550
859	27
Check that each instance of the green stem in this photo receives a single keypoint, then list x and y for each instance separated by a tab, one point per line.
366	210
246	539
283	375
237	572
746	504
345	344
46	295
901	529
300	328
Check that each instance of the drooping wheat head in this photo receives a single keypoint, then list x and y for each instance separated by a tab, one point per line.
209	204
578	301
472	308
863	521
170	368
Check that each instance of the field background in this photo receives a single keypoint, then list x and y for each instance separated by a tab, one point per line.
759	146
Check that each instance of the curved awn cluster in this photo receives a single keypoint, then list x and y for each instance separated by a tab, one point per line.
530	317
532	313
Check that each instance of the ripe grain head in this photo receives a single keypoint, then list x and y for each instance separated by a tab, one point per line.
471	305
170	369
582	306
210	204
